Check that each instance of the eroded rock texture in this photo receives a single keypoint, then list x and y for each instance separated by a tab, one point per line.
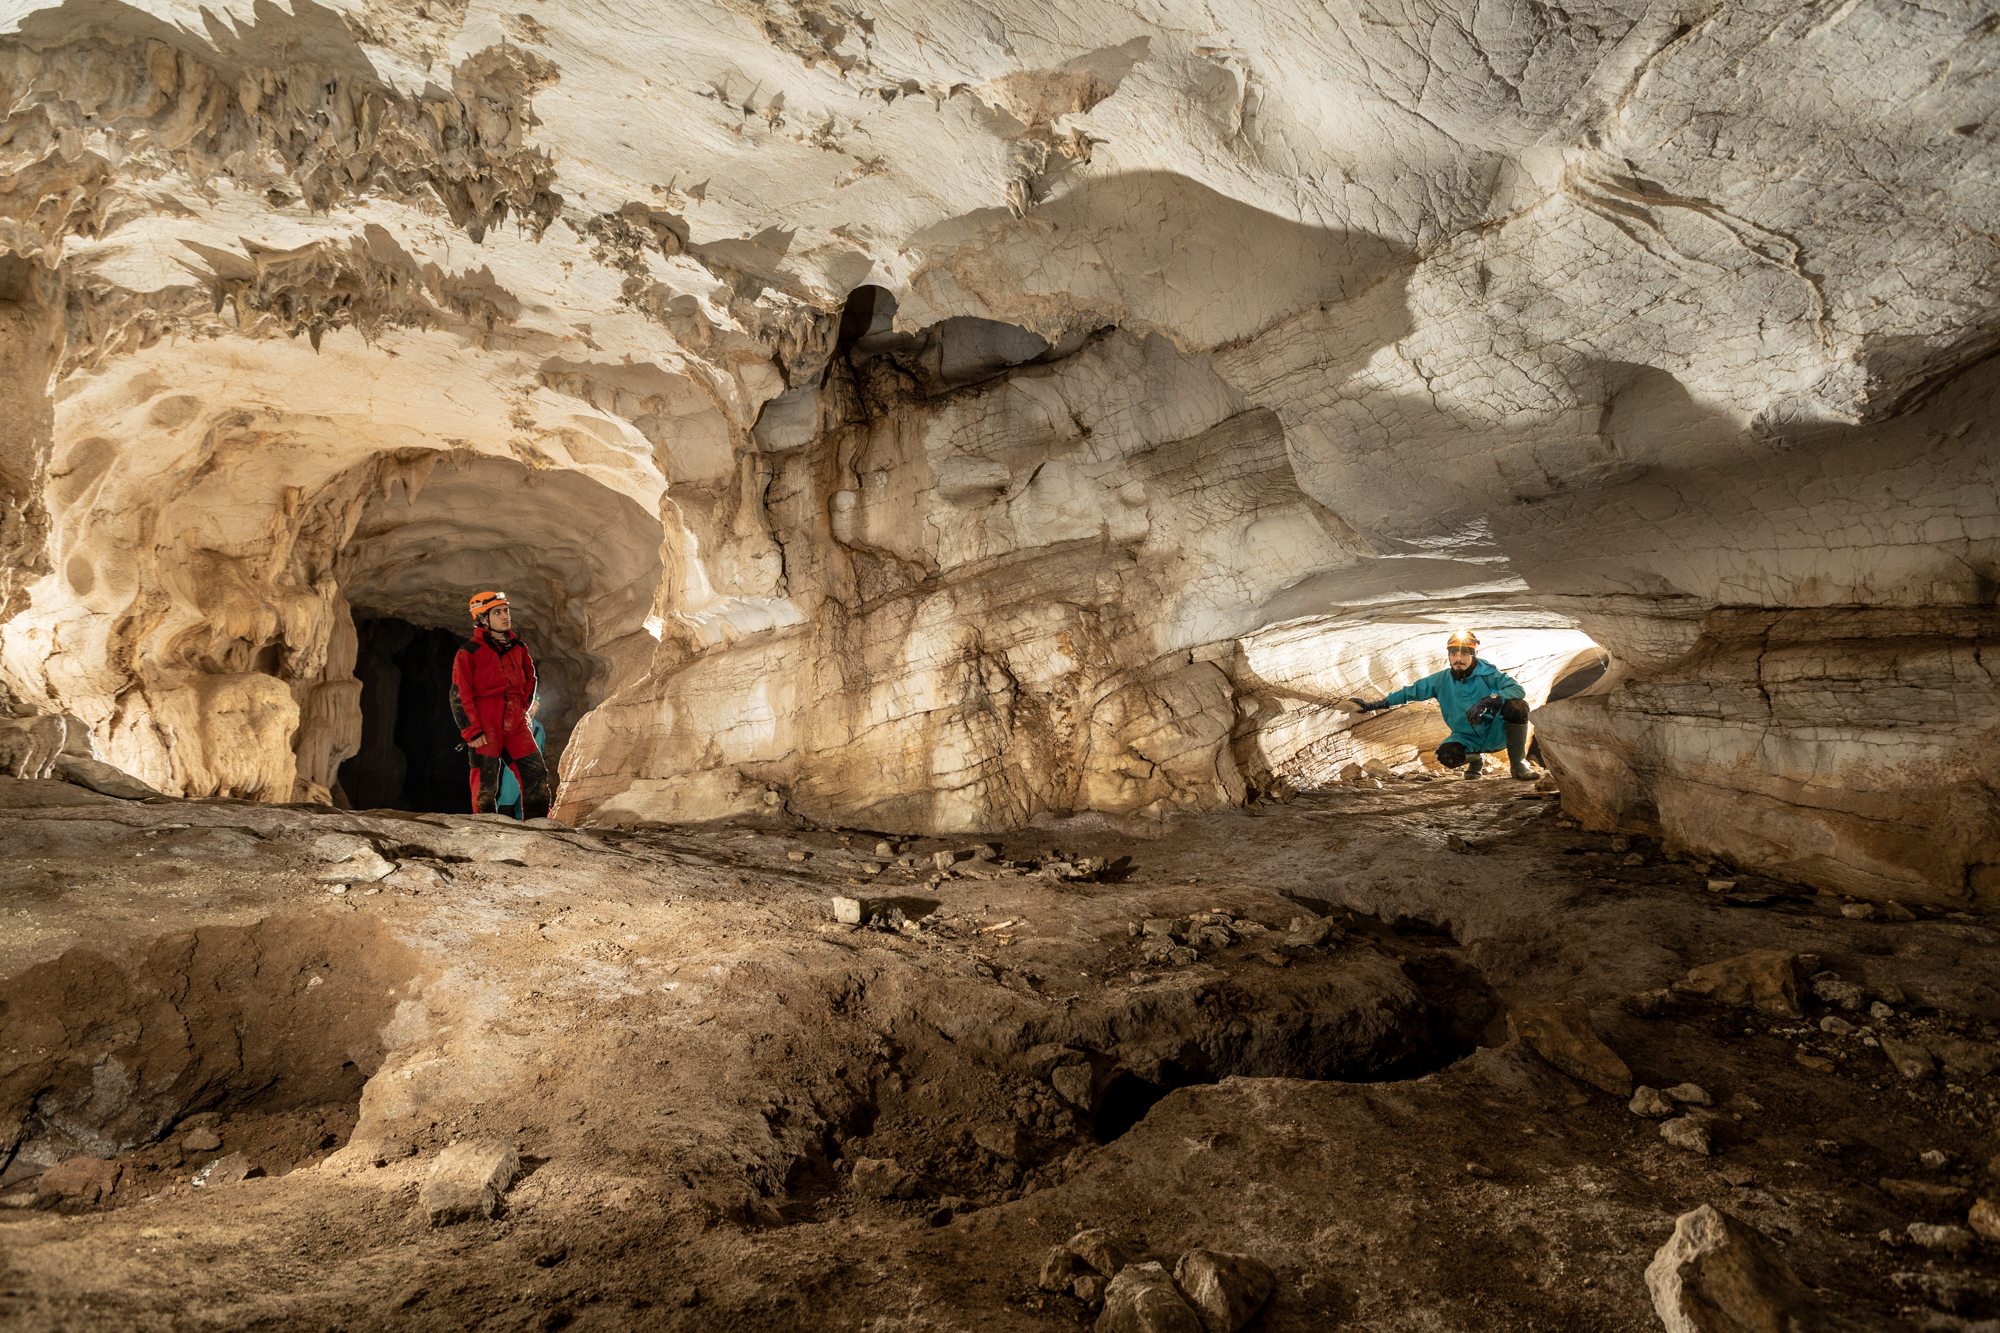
935	416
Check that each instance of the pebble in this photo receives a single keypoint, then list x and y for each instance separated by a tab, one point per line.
202	1140
1090	1288
1934	1159
943	860
1985	1219
1687	1134
1722	886
847	911
1857	911
795	856
1482	1172
884	849
1838	1026
1931	1237
1691	1093
1650	1102
1829	987
338	888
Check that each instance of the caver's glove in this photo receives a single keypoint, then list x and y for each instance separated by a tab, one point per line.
1490	704
1363	706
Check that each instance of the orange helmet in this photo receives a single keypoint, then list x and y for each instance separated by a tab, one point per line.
482	602
1463	638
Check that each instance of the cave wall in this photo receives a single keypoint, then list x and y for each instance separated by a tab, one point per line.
1224	357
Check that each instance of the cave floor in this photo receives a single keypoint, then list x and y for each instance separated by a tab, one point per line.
736	1112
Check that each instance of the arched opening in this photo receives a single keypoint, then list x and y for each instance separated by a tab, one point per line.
579	564
1583	671
870	312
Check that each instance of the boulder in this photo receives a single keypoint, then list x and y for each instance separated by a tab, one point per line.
1766	979
1142	1299
468	1180
1225	1290
1561	1034
1718	1274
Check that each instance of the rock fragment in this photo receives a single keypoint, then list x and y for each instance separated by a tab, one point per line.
1073	1084
1311	932
1765	979
1650	1102
230	1170
1717	1274
1142	1299
1925	1192
202	1140
1691	1093
1090	1288
883	1178
364	866
1984	1219
1059	1268
1002	1140
847	911
1911	1060
1687	1134
1225	1290
1561	1034
1101	1250
468	1180
1952	1240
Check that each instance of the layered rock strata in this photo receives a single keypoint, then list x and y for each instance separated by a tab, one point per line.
936	419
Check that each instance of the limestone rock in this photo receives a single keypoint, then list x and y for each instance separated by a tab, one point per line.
1074	1084
1910	1060
1562	1035
230	1170
1100	1250
101	777
1691	1093
1687	1134
1059	1269
1142	1299
1721	1275
202	1140
1984	1219
1765	979
1952	1240
364	866
1650	1102
882	1178
1226	1290
468	1180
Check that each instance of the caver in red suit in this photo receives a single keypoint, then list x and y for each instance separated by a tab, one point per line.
492	684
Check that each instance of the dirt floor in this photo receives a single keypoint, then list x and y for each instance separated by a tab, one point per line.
1281	1031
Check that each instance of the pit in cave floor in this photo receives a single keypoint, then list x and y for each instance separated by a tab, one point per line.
1284	1030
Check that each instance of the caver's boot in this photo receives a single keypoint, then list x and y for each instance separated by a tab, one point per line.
1474	765
1517	752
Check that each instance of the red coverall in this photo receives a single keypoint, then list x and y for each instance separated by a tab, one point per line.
492	682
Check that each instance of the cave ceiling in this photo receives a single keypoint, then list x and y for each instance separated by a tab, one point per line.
1202	322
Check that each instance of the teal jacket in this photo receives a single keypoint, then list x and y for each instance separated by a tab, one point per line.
510	787
1456	696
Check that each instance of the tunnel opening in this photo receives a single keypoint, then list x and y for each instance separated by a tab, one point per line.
411	756
1580	676
870	312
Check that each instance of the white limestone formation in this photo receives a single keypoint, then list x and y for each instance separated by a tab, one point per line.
935	416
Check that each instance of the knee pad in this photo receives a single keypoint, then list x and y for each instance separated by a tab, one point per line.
1451	754
1514	710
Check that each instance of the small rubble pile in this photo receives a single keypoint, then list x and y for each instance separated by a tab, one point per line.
1180	941
1209	1291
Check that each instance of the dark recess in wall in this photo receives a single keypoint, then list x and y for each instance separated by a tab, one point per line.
409	757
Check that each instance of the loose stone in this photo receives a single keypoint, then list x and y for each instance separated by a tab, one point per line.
1952	1240
1142	1299
1687	1134
1719	1273
1226	1290
1691	1093
1650	1102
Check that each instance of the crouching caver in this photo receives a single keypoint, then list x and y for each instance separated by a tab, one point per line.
492	685
1485	707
